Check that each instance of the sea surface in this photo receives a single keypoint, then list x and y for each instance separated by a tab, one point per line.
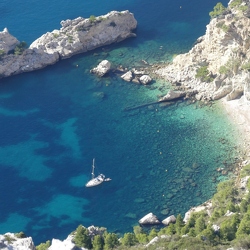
53	122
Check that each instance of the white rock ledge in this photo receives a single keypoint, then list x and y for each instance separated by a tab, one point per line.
74	37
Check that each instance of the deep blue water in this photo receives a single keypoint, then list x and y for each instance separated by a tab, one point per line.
56	120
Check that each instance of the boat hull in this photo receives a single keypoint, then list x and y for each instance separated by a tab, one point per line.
96	181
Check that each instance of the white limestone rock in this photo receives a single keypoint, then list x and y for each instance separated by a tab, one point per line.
145	79
243	182
66	244
156	239
172	95
168	220
7	41
10	241
149	219
128	76
207	206
102	68
81	35
229	213
75	36
216	228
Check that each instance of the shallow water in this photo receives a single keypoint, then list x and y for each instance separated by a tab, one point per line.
56	120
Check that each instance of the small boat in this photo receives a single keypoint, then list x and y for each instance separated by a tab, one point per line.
96	180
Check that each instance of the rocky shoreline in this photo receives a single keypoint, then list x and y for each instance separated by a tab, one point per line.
222	53
74	37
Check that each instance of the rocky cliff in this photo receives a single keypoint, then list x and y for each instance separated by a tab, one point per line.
218	64
75	36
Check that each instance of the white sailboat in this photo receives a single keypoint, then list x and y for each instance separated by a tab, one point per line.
96	180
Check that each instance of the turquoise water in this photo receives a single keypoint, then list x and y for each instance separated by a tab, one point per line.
56	120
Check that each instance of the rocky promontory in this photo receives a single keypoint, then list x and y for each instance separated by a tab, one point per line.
74	37
218	64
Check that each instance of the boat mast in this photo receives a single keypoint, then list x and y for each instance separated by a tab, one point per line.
93	169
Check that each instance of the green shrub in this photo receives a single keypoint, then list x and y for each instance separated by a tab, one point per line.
111	241
235	3
20	235
8	238
92	18
223	70
203	74
98	242
153	233
70	39
200	225
82	238
228	227
245	170
55	35
244	226
129	239
218	10
2	53
246	66
19	49
43	246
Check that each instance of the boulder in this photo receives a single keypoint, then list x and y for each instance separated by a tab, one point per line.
102	68
172	95
222	92
157	238
149	219
128	76
168	220
216	228
234	94
145	79
229	213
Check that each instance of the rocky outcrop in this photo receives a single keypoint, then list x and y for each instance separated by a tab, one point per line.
10	241
149	219
223	51
81	35
75	36
66	244
207	206
102	68
7	41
